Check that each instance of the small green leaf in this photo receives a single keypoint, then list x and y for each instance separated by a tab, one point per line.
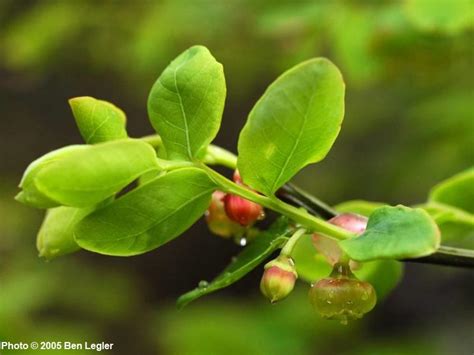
87	176
445	16
30	195
148	216
186	103
384	275
98	121
364	208
294	123
457	191
252	256
456	225
311	266
55	236
395	233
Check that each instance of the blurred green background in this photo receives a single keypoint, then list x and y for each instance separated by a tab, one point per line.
409	123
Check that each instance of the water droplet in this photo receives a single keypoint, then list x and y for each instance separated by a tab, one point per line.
261	215
242	242
203	284
328	302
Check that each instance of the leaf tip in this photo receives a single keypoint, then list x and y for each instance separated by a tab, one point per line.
73	101
20	197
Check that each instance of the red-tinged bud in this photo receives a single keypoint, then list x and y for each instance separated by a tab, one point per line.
278	279
329	247
242	211
342	296
237	179
217	219
350	221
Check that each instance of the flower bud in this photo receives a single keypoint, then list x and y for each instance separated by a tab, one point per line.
329	248
237	179
242	211
217	219
278	279
350	221
342	296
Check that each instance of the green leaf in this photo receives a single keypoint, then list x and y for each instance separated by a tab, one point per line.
394	233
55	236
30	195
186	103
252	256
148	216
364	208
456	225
446	16
85	177
311	266
97	120
294	123
384	275
457	191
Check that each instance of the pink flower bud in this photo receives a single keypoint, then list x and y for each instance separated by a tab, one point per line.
237	179
329	247
350	221
217	219
278	279
242	211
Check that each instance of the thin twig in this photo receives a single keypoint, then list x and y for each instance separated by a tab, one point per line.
447	256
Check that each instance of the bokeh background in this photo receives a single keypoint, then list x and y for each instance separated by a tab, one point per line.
409	123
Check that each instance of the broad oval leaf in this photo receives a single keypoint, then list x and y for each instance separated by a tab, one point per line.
98	121
55	236
87	176
457	191
311	266
252	256
30	195
395	233
293	124
185	104
148	216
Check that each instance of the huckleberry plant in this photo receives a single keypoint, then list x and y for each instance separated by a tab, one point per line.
293	124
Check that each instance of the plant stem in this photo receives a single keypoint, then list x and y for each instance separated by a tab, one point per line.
300	216
215	155
154	140
448	256
290	244
173	165
295	196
